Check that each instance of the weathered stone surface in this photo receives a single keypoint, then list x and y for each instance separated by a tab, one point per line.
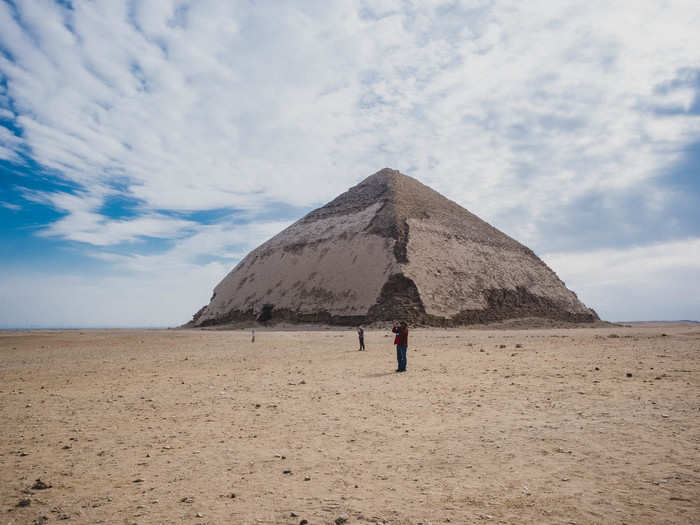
391	248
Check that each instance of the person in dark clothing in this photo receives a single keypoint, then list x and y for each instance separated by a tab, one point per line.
395	329
401	340
361	335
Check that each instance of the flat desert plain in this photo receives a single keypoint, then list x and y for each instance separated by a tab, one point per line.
584	425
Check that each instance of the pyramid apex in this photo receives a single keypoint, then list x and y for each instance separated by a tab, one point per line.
387	172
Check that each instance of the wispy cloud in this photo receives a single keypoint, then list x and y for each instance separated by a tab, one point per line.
83	223
220	242
10	206
9	144
660	281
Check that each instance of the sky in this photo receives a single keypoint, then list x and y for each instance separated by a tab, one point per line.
147	146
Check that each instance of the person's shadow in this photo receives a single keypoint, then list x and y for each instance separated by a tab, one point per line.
380	374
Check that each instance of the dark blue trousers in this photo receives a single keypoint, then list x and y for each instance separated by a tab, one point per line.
401	357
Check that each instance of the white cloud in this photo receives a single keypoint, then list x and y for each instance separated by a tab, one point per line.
638	283
10	206
212	104
83	222
9	144
228	242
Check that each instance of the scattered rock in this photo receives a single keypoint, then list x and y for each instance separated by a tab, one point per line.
293	515
24	502
518	345
40	520
40	485
187	499
199	515
613	336
343	518
303	522
629	374
137	480
287	471
307	478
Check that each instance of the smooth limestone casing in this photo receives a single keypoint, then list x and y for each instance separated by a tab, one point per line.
327	264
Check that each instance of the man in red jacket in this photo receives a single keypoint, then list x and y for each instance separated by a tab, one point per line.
401	341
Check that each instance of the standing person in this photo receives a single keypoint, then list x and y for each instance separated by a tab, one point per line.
252	336
361	335
395	329
401	340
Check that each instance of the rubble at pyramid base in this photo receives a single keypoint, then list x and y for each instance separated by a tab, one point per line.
404	305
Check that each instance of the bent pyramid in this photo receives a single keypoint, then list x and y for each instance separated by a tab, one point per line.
391	248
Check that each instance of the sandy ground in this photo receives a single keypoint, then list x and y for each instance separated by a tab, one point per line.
520	426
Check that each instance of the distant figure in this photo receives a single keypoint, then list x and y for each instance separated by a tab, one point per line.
252	336
401	340
361	335
395	329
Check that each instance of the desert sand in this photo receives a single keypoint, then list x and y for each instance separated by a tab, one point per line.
585	425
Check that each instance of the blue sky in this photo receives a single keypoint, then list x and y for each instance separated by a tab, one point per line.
145	147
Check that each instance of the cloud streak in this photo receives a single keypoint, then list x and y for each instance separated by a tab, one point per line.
653	282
